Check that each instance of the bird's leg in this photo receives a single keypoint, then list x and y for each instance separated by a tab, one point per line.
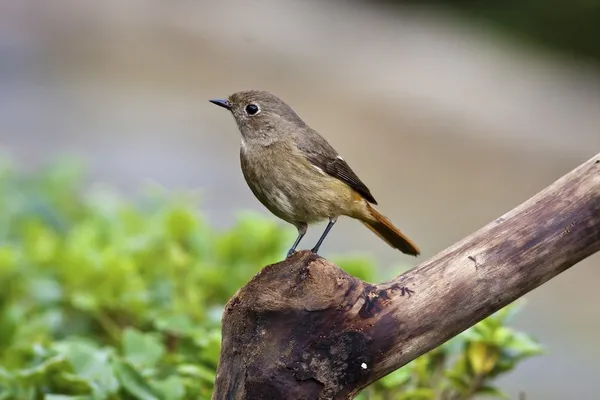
301	232
332	221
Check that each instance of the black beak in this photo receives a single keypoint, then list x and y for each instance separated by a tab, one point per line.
222	103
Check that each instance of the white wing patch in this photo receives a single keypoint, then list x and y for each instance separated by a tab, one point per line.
318	169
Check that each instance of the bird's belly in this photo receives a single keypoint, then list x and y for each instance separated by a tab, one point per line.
302	203
297	192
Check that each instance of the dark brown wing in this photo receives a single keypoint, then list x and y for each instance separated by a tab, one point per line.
320	153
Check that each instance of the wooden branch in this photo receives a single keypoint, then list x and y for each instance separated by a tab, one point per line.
304	329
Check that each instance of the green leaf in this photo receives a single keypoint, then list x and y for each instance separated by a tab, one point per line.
503	366
66	381
66	397
36	373
141	349
500	336
211	345
482	357
363	395
180	222
8	260
395	379
134	383
197	371
172	388
417	394
458	380
4	374
90	363
507	313
523	345
490	391
178	324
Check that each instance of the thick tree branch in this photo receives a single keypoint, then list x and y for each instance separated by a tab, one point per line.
304	329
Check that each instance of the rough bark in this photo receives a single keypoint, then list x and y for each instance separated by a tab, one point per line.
304	329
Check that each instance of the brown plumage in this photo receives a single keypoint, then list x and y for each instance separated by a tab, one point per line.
384	228
297	175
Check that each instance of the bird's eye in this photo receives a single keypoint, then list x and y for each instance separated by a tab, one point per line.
252	109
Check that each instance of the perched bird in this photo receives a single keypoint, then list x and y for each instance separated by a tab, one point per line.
296	174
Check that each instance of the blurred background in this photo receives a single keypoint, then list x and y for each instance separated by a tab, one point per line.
452	112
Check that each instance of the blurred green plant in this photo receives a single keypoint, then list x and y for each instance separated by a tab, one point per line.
462	368
103	298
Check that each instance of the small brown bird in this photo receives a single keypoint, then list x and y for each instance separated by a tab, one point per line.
296	174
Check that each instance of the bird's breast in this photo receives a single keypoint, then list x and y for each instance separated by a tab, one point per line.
291	187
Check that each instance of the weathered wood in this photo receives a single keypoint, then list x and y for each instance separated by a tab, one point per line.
304	329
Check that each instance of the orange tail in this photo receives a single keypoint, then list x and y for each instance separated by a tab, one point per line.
385	230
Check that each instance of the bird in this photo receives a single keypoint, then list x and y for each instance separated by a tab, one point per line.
297	175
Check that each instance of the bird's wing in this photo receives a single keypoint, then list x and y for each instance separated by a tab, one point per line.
322	155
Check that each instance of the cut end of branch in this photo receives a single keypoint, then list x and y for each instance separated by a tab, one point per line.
303	328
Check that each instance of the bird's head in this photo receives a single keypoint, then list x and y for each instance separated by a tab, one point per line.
261	115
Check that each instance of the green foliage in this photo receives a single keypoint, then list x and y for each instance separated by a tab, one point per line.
461	368
102	298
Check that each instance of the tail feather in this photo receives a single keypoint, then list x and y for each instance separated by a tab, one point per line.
384	228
